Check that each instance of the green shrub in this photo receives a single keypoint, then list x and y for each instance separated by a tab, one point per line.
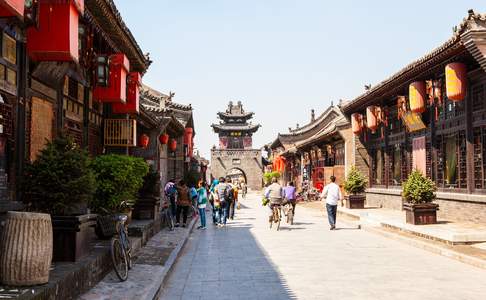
267	176
59	181
151	184
355	183
418	188
119	179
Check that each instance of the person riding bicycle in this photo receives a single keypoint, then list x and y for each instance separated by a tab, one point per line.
170	192
290	195
274	193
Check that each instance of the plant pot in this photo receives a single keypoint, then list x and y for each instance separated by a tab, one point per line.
72	236
355	201
147	208
25	249
105	226
421	214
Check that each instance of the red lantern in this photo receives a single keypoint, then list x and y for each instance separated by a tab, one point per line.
188	135
12	8
133	96
357	122
173	145
144	140
417	94
371	118
57	36
164	138
112	87
456	81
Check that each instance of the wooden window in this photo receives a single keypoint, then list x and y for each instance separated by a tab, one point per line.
9	49
451	160
11	76
378	169
340	154
395	175
73	88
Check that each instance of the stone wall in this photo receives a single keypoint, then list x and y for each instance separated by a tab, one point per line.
248	161
452	206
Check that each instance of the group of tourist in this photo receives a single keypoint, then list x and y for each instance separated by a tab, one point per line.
222	195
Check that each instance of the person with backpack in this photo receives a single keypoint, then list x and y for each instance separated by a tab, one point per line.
214	200
230	197
193	194
221	193
183	203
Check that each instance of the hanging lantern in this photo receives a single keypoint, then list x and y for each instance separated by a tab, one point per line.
132	106
173	145
371	119
144	140
12	8
188	135
164	138
456	81
417	94
357	123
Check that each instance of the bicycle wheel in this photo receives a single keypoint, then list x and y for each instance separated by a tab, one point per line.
119	259
170	220
128	251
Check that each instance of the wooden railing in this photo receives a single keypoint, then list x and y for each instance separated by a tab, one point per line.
120	132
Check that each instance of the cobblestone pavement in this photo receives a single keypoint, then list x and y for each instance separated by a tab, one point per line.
247	260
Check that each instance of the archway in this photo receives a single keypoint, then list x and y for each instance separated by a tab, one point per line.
236	175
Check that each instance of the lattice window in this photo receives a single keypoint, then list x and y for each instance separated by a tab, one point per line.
120	132
479	135
462	153
395	165
340	154
378	167
478	97
428	156
451	160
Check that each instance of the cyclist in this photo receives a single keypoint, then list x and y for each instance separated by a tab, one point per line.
290	195
170	192
274	193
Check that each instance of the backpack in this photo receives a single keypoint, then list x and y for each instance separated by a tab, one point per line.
229	194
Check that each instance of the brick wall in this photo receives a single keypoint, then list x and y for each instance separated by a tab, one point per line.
361	159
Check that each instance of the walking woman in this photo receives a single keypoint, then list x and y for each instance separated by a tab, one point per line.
183	203
202	200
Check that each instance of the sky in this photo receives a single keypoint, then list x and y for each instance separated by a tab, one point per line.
281	58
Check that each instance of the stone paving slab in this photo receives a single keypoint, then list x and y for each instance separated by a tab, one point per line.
445	231
150	267
247	260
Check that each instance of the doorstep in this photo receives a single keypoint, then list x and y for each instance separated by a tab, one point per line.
67	280
451	233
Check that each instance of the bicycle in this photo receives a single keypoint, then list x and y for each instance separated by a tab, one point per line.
121	249
276	215
166	218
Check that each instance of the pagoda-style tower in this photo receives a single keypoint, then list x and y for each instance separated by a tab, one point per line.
234	130
235	156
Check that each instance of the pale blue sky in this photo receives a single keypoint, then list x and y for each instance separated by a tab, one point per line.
281	57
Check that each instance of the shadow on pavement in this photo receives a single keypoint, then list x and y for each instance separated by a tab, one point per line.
225	263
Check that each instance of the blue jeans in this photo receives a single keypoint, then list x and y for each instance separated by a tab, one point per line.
225	211
331	214
202	216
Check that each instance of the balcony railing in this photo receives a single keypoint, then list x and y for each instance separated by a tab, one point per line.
120	132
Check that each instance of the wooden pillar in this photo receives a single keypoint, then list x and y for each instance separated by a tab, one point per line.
469	142
86	118
20	153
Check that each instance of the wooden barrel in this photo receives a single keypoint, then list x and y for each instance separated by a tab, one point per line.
25	249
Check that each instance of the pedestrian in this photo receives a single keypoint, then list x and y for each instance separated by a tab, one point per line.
194	196
214	200
222	193
274	193
290	195
170	192
230	197
202	199
332	193
183	203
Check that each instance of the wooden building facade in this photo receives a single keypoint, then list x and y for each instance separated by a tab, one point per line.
429	116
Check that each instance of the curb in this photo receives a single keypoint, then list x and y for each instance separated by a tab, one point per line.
174	255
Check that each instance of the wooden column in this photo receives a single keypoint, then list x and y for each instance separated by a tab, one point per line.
20	153
469	141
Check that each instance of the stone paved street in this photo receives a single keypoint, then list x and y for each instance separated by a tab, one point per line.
246	260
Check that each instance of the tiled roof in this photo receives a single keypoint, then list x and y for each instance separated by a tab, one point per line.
454	43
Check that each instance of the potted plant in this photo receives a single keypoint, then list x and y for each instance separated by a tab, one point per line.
119	179
148	203
60	182
267	177
355	186
418	194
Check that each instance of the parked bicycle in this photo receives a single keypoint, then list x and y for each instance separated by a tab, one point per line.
121	249
166	218
276	215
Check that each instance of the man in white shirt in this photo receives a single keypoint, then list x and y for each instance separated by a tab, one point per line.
332	193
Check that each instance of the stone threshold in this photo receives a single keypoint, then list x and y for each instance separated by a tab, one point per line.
68	280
